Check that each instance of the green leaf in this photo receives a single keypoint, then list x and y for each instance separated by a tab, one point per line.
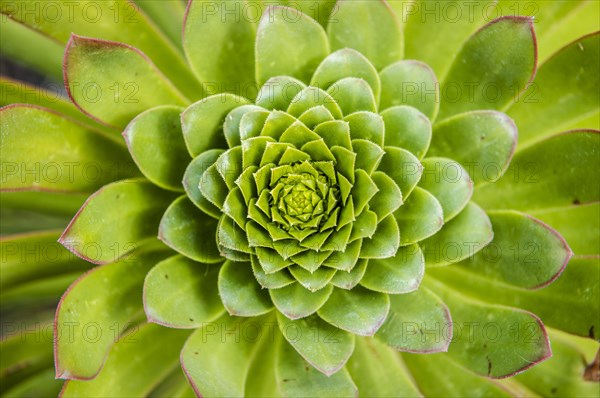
449	182
571	303
23	355
353	95
406	127
105	241
239	291
311	97
119	21
419	217
295	301
561	375
202	122
335	133
217	357
114	82
564	91
252	123
453	381
35	256
363	190
278	92
41	52
42	384
182	293
524	253
44	151
389	197
418	322
315	116
359	311
404	168
579	225
190	232
297	378
385	241
501	55
369	27
436	30
155	142
192	177
288	43
231	126
490	353
483	142
562	167
15	91
367	126
460	238
349	279
88	319
368	155
378	371
346	63
208	27
273	280
312	279
322	345
411	83
212	187
168	16
396	275
136	353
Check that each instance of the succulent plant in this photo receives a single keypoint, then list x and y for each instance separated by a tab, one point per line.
314	199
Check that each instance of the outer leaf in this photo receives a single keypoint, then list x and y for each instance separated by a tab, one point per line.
490	60
358	311
322	345
396	275
389	197
288	43
118	20
410	83
202	122
295	301
208	27
454	381
167	16
114	82
492	356
483	142
369	27
570	303
565	90
434	39
378	371
579	225
295	377
223	348
105	241
460	238
20	266
155	142
42	150
184	228
524	252
563	167
406	127
90	301
449	182
239	291
367	126
181	293
419	217
151	358
418	322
